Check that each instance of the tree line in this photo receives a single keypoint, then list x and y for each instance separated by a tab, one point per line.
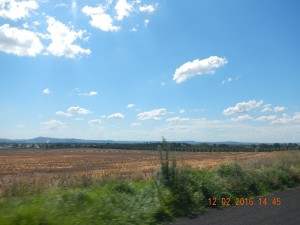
174	146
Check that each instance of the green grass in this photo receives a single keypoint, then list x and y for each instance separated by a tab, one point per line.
143	202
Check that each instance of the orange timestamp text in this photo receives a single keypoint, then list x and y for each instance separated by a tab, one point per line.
243	201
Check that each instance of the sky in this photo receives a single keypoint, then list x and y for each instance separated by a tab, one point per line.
202	70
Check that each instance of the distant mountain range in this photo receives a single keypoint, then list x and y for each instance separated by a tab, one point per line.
42	140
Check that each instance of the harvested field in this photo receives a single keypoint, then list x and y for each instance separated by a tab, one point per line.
64	167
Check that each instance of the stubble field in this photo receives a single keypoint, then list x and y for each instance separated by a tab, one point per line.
41	169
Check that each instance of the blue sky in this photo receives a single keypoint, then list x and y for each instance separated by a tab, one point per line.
202	70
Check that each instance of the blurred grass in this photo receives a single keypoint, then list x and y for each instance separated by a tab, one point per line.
124	202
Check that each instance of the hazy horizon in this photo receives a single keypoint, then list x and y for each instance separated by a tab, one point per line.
208	71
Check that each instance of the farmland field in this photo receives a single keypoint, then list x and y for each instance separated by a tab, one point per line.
64	167
87	186
105	161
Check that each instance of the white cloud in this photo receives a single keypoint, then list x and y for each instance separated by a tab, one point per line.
61	113
266	118
64	5
36	23
46	91
99	19
74	110
25	25
279	109
152	115
297	116
53	124
130	106
148	8
134	29
135	124
74	4
242	118
177	119
229	79
181	111
91	93
63	38
266	109
283	120
19	42
146	22
116	116
15	10
78	110
95	122
287	119
198	67
123	9
243	107
79	119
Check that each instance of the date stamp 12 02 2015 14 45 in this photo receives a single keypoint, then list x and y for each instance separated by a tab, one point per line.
244	201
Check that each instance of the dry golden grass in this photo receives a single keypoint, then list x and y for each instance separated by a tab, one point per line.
37	170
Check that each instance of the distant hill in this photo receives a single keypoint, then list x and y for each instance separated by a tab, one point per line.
43	140
4	140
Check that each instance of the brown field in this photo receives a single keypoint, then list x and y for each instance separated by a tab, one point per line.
63	167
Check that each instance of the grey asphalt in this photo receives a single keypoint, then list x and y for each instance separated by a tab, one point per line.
287	213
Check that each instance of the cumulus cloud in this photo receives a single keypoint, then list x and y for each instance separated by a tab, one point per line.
279	109
243	107
19	42
116	116
130	106
198	67
63	38
78	110
91	93
61	113
285	118
155	114
74	110
100	19
123	9
53	124
266	118
267	108
15	10
177	119
242	118
148	8
181	111
46	91
296	116
95	122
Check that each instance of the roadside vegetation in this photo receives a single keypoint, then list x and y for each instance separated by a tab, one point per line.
177	191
